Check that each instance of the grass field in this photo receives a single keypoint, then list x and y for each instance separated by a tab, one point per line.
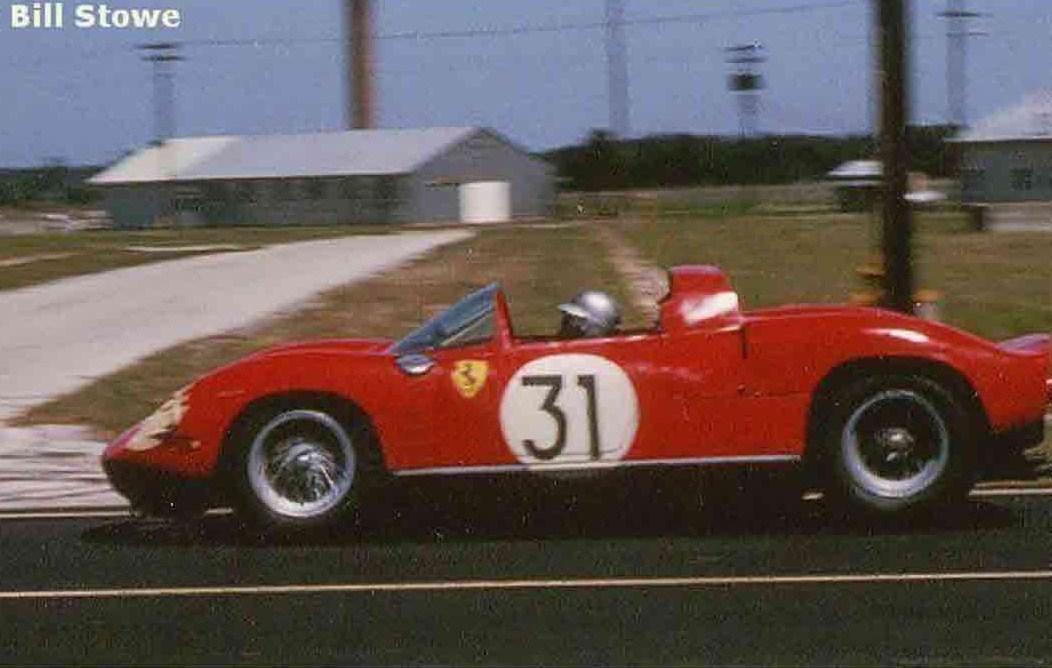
539	266
995	285
38	258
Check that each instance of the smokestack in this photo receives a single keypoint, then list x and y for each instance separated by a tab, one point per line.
358	17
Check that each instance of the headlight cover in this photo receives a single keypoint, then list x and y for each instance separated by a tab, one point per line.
162	424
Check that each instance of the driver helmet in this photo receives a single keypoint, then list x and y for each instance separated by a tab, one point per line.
590	313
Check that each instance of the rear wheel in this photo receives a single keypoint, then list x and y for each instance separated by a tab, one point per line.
299	468
898	444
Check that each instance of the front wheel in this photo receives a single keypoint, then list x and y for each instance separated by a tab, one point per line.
298	469
898	443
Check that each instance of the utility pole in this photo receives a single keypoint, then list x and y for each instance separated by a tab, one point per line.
163	56
745	82
359	55
897	226
957	35
617	68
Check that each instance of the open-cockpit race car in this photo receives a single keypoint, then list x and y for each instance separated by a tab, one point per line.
888	413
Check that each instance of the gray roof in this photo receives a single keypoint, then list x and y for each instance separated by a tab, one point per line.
1029	120
354	153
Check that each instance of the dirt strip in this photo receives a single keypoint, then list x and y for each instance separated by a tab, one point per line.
647	282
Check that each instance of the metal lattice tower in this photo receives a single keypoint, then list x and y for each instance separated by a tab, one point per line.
957	18
617	68
746	82
163	56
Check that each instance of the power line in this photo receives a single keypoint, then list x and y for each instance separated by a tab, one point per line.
511	31
259	42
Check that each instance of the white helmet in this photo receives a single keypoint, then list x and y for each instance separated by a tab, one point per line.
590	313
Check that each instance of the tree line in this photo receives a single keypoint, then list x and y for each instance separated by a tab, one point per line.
603	162
53	183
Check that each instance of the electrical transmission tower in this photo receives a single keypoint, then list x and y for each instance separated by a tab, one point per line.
746	82
163	56
617	67
958	18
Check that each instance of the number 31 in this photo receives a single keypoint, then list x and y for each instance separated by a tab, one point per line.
555	388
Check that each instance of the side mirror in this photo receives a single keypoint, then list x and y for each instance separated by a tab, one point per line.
415	364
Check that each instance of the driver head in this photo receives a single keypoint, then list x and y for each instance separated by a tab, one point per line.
590	313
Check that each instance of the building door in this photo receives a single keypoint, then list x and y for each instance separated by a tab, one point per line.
485	202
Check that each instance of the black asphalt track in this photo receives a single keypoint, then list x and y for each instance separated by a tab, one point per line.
592	587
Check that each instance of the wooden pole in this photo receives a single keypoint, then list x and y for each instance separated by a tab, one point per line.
897	225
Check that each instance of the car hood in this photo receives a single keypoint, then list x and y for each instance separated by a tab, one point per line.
329	346
253	370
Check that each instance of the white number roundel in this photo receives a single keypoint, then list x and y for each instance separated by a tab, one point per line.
569	409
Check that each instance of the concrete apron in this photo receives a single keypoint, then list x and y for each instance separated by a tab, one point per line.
52	467
59	336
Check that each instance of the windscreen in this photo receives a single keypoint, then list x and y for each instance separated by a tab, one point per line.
468	321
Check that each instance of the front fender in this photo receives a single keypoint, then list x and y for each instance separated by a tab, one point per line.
215	401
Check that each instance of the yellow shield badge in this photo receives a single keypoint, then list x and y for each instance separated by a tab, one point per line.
469	377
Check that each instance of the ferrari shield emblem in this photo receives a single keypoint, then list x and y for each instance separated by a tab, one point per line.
469	377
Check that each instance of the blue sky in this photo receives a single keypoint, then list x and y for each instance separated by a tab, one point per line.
85	97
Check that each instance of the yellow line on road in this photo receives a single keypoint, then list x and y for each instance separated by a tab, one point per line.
503	585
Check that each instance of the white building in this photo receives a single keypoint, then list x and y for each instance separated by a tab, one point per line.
1008	156
364	176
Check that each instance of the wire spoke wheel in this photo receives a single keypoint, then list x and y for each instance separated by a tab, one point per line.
301	465
895	444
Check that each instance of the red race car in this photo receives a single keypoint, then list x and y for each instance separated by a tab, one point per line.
890	412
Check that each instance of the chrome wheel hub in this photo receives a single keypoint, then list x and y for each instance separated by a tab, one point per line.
301	464
895	444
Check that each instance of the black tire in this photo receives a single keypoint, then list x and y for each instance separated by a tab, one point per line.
897	444
299	466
